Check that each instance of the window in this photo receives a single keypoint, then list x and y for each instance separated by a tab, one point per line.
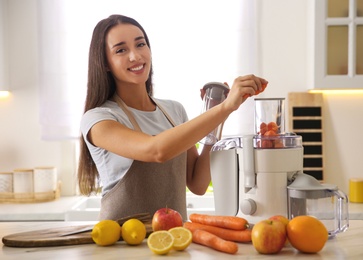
337	43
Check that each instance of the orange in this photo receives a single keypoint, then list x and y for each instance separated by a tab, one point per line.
307	234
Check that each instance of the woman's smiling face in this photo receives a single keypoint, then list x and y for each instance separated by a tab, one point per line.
128	55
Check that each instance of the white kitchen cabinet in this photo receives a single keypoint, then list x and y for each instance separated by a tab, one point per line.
335	45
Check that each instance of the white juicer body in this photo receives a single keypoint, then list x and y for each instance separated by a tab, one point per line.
252	183
273	167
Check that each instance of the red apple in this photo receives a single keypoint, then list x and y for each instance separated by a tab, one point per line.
165	219
284	220
268	236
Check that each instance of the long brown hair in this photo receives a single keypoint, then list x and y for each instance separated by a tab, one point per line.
101	87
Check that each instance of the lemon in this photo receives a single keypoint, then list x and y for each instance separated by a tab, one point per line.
106	232
133	231
160	242
182	238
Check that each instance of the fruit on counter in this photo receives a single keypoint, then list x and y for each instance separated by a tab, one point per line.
268	236
281	218
307	234
230	222
165	219
106	232
219	232
160	242
133	231
284	220
243	236
210	240
182	238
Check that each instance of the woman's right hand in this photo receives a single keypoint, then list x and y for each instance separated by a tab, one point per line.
242	88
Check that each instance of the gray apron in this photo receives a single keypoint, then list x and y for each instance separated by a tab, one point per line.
147	187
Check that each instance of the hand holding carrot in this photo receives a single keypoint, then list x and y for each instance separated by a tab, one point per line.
242	88
264	85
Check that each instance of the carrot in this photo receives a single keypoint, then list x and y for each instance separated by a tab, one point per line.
230	222
226	234
263	128
273	127
257	91
208	239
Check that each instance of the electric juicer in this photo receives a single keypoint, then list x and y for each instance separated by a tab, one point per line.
261	175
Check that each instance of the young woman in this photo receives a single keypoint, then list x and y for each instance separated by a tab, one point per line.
141	149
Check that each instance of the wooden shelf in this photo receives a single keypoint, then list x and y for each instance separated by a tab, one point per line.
305	112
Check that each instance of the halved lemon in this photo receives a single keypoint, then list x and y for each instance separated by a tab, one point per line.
182	237
160	242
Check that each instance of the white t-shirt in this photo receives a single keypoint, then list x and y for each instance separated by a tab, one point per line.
112	167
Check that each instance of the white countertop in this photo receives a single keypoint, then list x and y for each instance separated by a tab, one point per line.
347	245
56	210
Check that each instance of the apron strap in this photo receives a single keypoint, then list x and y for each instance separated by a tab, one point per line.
164	112
132	119
122	105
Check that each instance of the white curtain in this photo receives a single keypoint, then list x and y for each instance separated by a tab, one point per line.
62	68
193	42
4	59
248	62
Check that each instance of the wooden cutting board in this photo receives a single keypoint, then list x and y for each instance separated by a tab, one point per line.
54	237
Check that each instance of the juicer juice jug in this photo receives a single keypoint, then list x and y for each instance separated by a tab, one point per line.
307	196
255	176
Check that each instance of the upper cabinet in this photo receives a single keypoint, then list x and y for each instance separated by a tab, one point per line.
335	45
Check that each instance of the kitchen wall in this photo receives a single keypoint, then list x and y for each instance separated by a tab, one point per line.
284	35
283	54
20	143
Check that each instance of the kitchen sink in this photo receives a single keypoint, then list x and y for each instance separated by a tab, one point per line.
88	208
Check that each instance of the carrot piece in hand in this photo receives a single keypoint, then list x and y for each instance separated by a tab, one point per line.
230	222
208	239
257	91
224	233
262	90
